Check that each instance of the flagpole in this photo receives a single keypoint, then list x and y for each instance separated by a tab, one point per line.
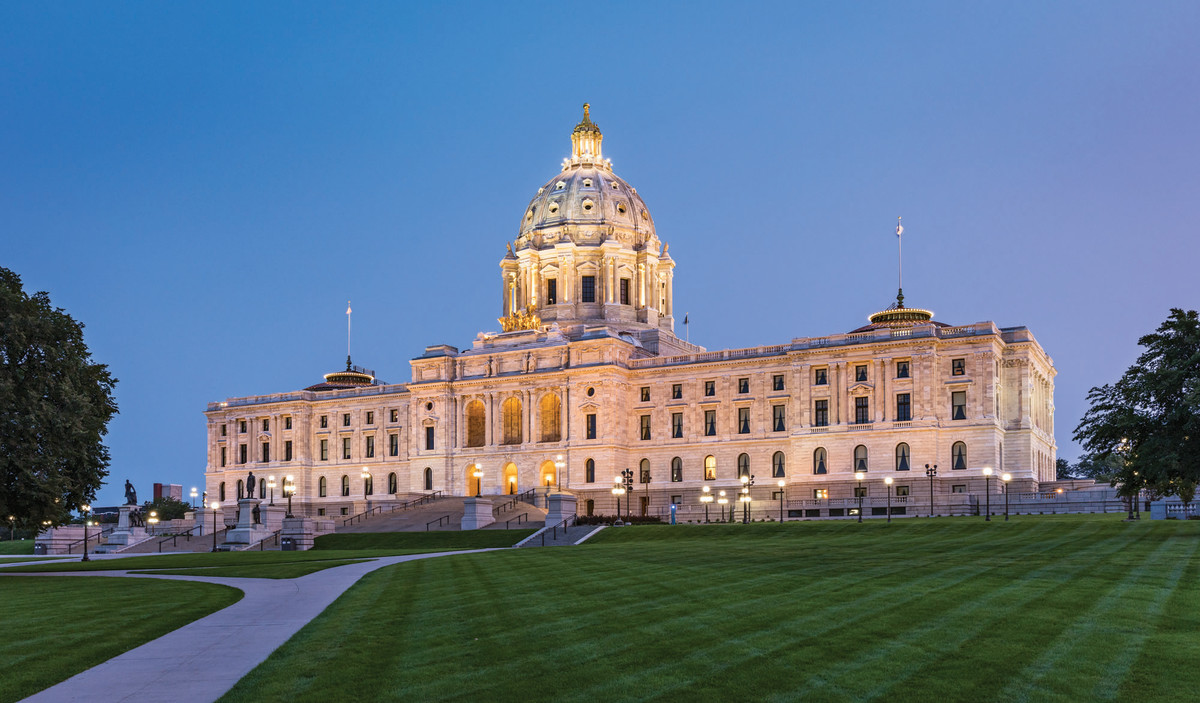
348	311
899	262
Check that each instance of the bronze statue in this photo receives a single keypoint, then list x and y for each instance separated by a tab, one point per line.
250	480
130	494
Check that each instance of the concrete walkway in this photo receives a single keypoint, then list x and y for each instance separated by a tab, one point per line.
204	659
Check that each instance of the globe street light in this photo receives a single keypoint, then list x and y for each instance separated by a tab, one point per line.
747	482
931	472
289	487
559	465
153	520
888	489
618	490
478	474
85	509
1006	478
368	489
987	482
627	481
215	506
722	501
858	475
193	495
782	483
706	497
270	484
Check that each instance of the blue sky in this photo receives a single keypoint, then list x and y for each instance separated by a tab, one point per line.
205	185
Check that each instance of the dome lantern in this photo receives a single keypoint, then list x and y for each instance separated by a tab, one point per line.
585	141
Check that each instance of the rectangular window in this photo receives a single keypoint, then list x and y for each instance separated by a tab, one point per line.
287	450
223	453
645	420
395	416
320	512
958	488
903	407
821	413
820	493
428	438
287	422
224	431
779	417
820	377
862	411
743	385
345	511
710	388
958	405
860	491
645	394
676	425
587	289
677	391
551	291
345	447
370	417
591	425
777	382
901	490
241	454
901	369
266	424
624	291
743	420
710	423
394	444
324	450
860	373
242	426
345	419
370	448
958	367
324	421
266	451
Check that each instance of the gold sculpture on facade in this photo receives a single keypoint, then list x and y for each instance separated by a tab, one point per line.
525	319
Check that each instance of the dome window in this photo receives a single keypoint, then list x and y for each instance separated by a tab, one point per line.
560	185
644	215
529	215
553	208
614	185
587	183
588	205
540	190
621	208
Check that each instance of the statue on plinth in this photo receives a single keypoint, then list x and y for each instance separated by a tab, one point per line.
130	494
250	482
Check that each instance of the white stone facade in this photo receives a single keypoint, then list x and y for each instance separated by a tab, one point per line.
516	402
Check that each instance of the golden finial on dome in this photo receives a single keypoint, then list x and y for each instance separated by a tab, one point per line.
585	140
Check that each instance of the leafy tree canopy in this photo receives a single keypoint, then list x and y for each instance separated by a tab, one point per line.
55	405
1147	424
167	508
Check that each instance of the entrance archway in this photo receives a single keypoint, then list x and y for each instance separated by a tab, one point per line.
510	478
473	485
546	474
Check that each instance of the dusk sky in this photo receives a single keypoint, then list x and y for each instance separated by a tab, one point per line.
205	185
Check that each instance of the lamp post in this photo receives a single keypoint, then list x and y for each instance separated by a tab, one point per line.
367	487
270	484
193	495
722	501
559	465
85	509
706	497
289	487
987	490
931	472
887	480
782	483
627	483
152	520
858	476
747	482
12	527
618	490
478	474
1006	478
215	506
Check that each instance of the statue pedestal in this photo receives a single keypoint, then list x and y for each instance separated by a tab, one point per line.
205	524
560	506
125	535
477	513
247	531
272	516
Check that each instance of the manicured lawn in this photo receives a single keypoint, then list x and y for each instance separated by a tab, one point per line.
20	546
1081	608
287	570
423	541
204	560
55	628
17	560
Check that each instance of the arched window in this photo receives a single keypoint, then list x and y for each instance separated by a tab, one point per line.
241	489
644	472
743	465
958	456
510	413
778	470
589	471
902	457
393	485
369	485
999	462
677	469
860	458
221	491
550	418
591	506
345	485
428	479
321	489
819	461
262	490
710	468
476	424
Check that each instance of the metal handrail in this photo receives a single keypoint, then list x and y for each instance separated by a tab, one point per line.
554	528
529	496
99	533
440	521
519	519
263	541
506	505
175	537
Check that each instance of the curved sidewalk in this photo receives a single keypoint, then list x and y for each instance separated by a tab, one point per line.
203	659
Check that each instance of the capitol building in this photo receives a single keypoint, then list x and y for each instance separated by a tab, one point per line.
586	378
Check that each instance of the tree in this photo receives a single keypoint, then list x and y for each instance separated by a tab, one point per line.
1148	422
55	404
1063	470
167	508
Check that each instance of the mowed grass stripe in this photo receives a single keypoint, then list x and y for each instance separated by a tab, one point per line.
842	612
